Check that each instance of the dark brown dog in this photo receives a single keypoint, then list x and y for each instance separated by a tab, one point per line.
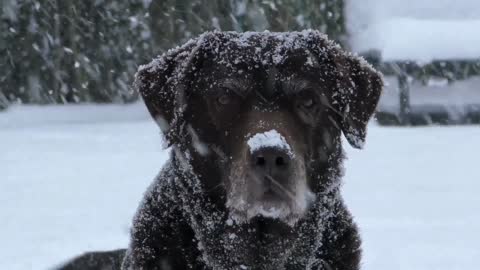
103	260
255	122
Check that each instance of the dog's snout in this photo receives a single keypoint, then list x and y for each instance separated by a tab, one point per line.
272	165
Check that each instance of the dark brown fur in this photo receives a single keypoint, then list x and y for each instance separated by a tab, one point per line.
108	260
267	82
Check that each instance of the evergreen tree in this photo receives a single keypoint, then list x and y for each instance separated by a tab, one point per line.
60	51
67	51
175	21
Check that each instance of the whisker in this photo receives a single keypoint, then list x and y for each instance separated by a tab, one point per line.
287	192
216	186
219	153
332	108
330	118
254	177
283	189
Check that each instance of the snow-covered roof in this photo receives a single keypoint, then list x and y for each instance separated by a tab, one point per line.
423	30
422	40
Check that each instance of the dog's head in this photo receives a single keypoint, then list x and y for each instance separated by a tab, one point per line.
261	115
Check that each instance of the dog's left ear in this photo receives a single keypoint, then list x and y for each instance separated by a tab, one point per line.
162	84
360	87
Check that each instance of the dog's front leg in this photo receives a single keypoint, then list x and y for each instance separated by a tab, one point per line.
342	247
160	238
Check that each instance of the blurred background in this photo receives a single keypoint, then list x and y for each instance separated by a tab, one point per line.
77	148
88	51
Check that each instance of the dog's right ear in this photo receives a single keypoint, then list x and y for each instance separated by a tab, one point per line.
158	83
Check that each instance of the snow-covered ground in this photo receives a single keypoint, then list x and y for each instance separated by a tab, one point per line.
71	178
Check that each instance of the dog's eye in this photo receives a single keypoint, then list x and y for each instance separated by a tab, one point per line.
224	99
306	100
307	103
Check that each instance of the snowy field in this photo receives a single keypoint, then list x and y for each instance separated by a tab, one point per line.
71	178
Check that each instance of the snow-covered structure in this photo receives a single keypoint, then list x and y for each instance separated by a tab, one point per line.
429	52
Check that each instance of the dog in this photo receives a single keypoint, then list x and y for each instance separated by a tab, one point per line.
103	260
255	123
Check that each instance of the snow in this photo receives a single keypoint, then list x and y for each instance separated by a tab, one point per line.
422	40
37	115
269	211
420	30
414	193
421	9
269	138
72	177
303	200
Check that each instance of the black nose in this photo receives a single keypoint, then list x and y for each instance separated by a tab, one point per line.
271	164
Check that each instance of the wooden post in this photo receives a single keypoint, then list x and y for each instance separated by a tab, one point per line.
404	98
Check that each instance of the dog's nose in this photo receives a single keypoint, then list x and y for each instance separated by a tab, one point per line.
271	164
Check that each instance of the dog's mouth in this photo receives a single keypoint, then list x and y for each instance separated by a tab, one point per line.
271	205
265	226
271	194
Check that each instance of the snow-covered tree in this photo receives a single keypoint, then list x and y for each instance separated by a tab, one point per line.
178	20
66	51
60	51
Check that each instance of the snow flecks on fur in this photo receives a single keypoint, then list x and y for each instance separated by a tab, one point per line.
271	138
284	43
198	145
290	214
225	243
355	139
163	78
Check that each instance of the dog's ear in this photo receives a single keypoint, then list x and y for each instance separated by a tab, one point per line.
160	83
357	90
360	87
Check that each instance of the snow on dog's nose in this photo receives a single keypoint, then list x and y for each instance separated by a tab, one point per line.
270	158
271	139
